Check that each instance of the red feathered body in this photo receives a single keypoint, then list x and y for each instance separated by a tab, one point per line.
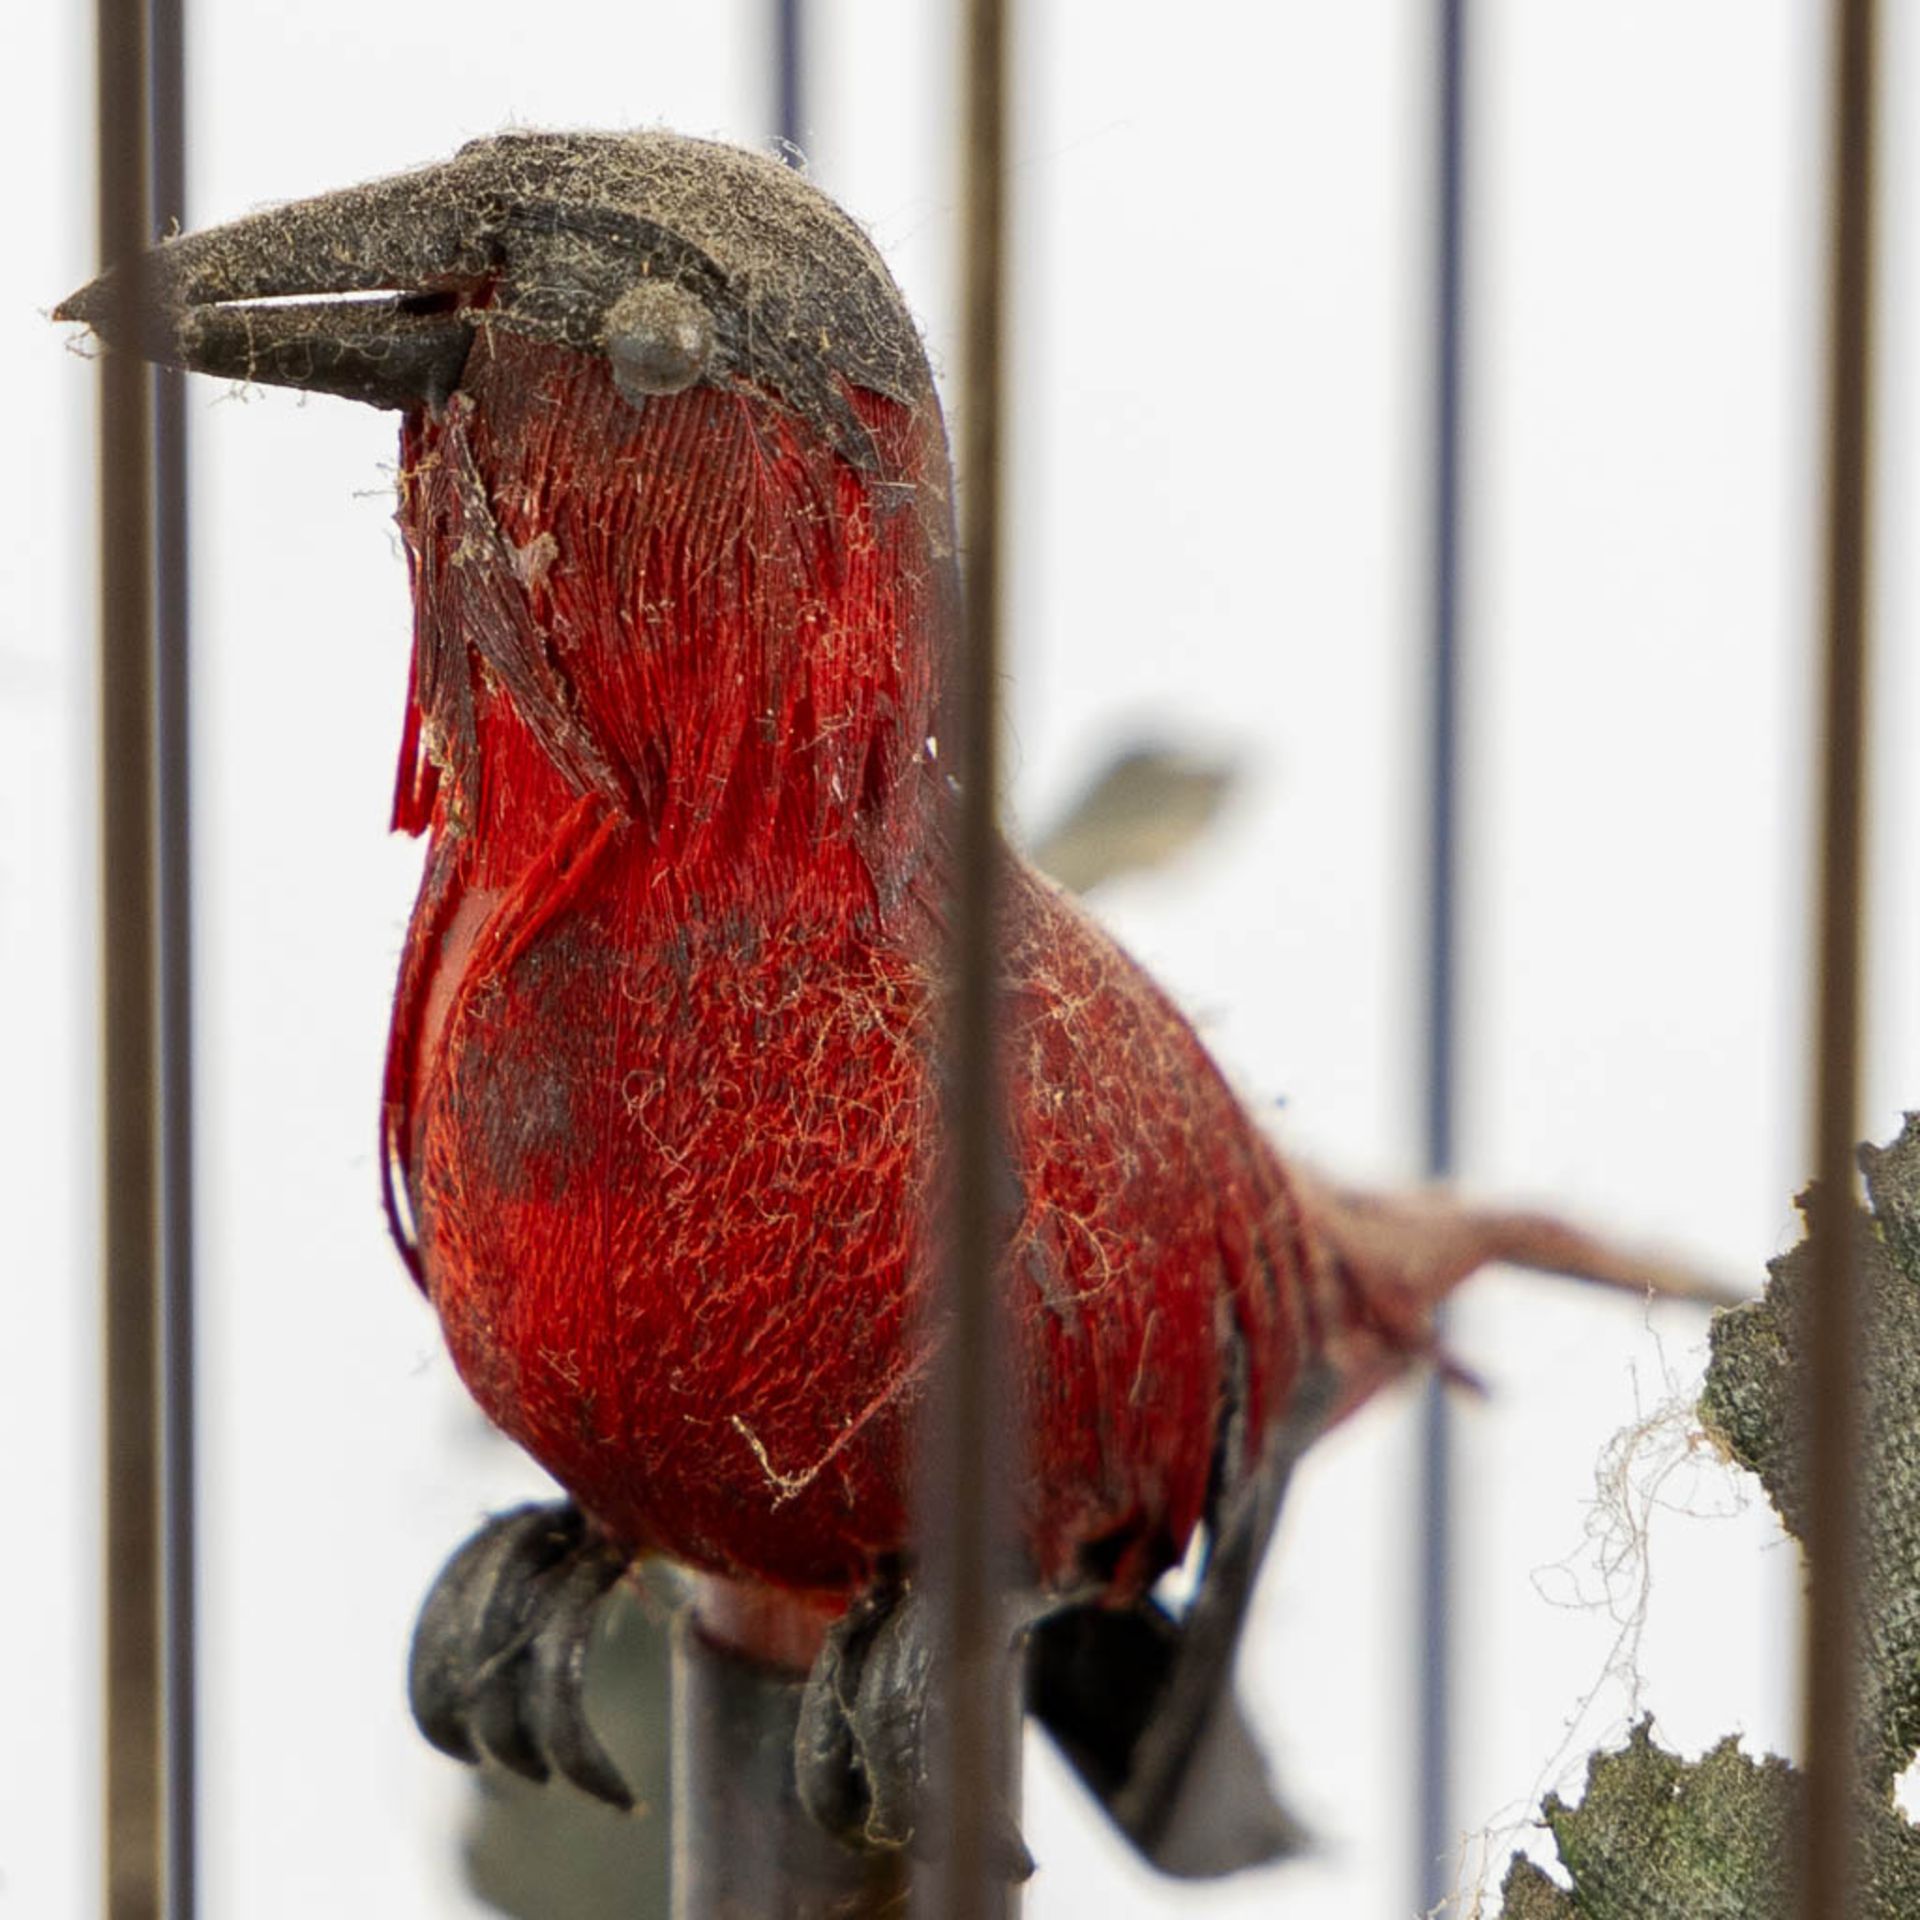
661	1094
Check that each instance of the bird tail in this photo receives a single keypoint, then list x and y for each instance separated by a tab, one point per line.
1397	1256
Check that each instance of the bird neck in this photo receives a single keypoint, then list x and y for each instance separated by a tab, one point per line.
693	609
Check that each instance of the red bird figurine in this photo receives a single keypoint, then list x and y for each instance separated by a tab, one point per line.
661	1108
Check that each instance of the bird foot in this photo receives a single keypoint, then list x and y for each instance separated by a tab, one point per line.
871	1718
500	1650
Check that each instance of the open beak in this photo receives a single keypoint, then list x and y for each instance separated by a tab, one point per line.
364	293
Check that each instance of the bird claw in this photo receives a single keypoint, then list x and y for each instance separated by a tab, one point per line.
870	1718
500	1650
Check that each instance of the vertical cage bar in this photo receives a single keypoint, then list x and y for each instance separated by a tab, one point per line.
174	876
1829	1882
135	1768
789	75
1435	1835
969	1463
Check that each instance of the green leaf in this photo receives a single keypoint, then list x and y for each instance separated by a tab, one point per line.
1527	1894
1659	1838
1755	1389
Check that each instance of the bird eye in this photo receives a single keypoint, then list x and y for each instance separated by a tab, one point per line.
659	338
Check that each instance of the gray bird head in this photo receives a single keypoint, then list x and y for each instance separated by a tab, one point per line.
684	262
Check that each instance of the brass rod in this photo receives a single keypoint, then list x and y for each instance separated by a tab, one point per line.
970	1462
1829	1884
174	881
135	1825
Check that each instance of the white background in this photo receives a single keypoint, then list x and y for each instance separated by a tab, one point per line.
1221	328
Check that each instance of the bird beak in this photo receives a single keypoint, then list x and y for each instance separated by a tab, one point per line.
362	293
376	292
